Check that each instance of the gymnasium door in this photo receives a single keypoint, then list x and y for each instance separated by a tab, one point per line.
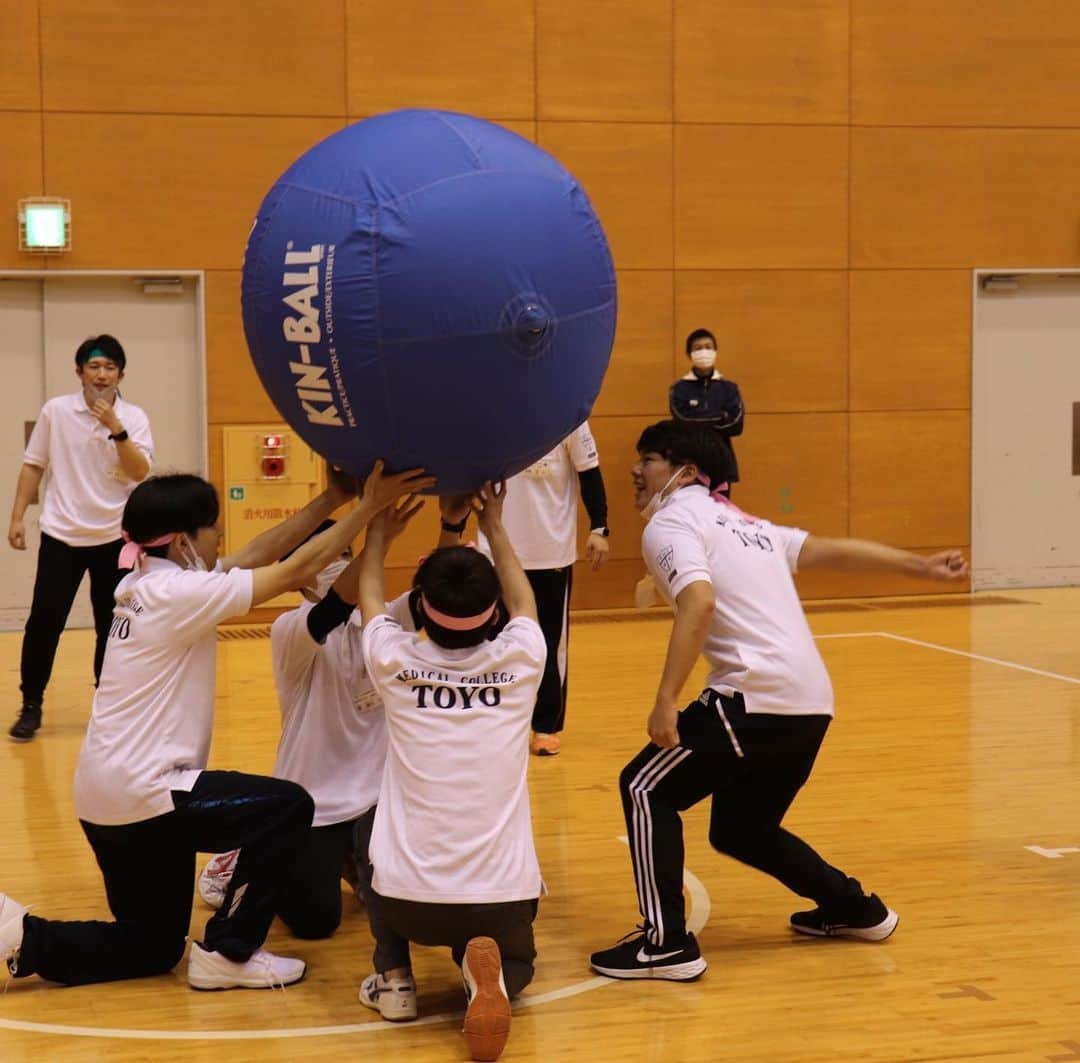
42	322
1026	431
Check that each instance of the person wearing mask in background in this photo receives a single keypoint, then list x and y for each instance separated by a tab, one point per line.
706	397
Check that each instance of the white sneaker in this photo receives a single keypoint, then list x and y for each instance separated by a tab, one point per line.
216	876
393	998
11	931
211	970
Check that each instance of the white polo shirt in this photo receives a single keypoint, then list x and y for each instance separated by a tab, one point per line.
333	728
87	488
453	824
153	712
759	642
540	511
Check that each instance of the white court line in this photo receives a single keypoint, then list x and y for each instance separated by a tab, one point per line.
699	914
851	635
980	657
949	649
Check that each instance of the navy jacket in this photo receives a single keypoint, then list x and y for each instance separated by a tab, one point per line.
714	401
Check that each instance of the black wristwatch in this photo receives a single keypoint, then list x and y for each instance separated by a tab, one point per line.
120	436
457	528
605	531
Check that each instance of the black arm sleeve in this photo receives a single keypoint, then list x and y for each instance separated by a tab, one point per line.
326	615
594	496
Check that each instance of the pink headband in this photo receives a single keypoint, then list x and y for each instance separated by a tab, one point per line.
457	623
717	493
131	553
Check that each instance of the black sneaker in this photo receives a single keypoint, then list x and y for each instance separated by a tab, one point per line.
25	727
873	922
636	957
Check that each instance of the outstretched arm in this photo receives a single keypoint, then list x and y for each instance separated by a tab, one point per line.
277	541
302	565
516	590
371	586
862	554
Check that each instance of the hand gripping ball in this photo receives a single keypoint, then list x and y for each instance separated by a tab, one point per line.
432	289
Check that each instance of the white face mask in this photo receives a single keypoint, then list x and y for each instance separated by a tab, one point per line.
703	358
193	561
654	503
325	580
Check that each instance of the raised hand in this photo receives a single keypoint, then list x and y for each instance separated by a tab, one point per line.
380	490
397	516
104	411
487	503
339	483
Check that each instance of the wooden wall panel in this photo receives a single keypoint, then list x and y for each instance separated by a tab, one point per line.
744	61
910	339
20	56
794	469
612	587
911	477
197	57
625	169
608	60
415	53
965	63
234	394
782	335
964	197
638	376
20	176
764	197
179	192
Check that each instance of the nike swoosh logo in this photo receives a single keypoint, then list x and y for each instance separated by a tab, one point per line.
645	957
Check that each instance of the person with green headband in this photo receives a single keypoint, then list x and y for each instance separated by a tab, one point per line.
96	446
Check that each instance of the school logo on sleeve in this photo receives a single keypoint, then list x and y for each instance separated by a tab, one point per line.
666	560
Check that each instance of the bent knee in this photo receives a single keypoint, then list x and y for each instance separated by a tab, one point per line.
314	927
162	955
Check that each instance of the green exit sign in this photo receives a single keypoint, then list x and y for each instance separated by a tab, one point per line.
44	224
236	494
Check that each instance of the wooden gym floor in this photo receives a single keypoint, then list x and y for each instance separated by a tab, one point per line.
950	784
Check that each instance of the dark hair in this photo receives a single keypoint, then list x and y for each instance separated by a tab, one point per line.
178	502
699	334
688	443
103	346
458	581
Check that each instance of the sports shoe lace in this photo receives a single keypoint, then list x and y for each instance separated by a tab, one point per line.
639	931
263	959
